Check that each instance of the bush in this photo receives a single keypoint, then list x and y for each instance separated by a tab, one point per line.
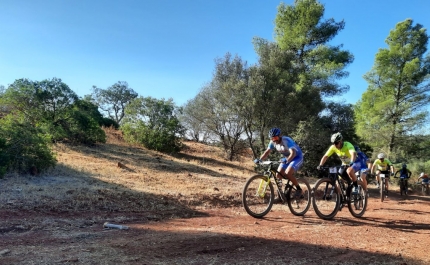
25	147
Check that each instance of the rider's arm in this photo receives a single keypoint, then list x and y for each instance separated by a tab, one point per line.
292	155
353	155
323	159
265	154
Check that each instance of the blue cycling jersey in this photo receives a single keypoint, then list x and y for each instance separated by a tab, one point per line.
285	145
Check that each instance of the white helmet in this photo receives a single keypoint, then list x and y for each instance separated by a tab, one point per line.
422	174
381	155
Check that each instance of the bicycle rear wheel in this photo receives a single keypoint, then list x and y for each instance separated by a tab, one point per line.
357	203
299	206
325	199
258	195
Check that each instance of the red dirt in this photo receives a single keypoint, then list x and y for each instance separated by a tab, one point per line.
395	231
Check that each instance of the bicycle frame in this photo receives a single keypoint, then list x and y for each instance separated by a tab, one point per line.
258	193
403	184
338	181
271	172
334	191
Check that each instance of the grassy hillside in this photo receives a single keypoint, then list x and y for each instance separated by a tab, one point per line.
118	178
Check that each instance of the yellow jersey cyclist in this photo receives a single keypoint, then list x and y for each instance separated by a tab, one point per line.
384	166
348	155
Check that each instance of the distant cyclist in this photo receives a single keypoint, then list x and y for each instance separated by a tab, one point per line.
383	166
348	155
365	166
292	157
404	173
424	180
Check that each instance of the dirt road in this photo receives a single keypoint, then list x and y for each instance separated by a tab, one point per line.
395	231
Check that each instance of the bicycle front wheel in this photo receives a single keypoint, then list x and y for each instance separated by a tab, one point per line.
402	187
358	202
258	196
382	190
325	199
299	205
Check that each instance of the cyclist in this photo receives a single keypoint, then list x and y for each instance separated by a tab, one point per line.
365	166
384	166
292	157
425	180
404	173
348	155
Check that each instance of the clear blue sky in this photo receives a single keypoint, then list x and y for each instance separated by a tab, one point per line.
166	48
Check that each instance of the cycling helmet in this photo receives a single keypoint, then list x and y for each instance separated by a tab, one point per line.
404	166
336	137
381	155
422	174
274	132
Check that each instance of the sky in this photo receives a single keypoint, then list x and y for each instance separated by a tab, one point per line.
167	48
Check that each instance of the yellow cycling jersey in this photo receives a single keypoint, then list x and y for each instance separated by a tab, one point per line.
343	153
382	165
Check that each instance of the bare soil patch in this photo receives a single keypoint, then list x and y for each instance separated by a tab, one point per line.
186	209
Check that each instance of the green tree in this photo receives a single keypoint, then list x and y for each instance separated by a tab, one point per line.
300	28
113	100
300	67
52	106
23	147
153	123
394	103
220	104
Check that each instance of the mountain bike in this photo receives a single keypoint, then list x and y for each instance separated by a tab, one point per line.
424	188
333	191
403	183
258	193
383	192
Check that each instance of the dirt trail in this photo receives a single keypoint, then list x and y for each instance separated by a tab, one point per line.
395	231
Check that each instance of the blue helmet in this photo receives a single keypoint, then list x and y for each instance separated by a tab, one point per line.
274	132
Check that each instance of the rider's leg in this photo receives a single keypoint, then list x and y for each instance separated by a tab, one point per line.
351	174
364	180
378	179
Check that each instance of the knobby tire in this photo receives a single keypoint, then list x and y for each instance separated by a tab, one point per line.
299	206
325	206
256	202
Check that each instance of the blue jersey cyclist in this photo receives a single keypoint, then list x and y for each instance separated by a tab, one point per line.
292	156
348	156
365	166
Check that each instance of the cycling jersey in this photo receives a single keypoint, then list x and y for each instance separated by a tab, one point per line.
382	165
343	153
404	173
283	148
285	145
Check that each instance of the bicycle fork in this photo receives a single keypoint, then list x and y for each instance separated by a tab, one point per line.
327	196
263	187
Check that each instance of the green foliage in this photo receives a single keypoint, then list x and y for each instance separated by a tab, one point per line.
23	146
153	123
50	105
113	100
394	105
4	158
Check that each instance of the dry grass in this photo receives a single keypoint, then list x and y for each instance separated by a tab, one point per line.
118	177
